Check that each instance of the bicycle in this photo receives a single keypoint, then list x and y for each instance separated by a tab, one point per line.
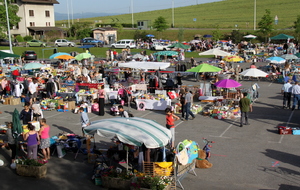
207	147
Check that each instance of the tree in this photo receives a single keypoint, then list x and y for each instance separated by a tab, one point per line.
266	24
180	34
216	34
79	27
297	26
160	24
14	19
236	36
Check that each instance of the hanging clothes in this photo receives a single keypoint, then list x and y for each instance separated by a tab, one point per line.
18	89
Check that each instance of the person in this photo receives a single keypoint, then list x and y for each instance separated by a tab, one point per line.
101	96
50	87
179	80
245	107
85	121
286	91
237	71
252	66
188	103
122	112
4	83
296	94
33	140
170	118
32	88
182	102
45	139
11	141
26	115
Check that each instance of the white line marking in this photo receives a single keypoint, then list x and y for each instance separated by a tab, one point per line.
146	114
53	115
3	106
179	123
221	137
227	128
287	124
270	84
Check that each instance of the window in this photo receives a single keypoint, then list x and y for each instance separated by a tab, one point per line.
47	23
31	13
32	24
47	13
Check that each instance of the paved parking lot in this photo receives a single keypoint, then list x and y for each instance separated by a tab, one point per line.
252	157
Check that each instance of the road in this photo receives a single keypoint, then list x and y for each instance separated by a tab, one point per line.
252	157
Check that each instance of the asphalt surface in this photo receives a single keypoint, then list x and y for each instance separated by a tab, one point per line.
253	157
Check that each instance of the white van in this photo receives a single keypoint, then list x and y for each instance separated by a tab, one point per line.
126	43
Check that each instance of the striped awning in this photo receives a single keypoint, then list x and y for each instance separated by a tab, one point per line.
134	131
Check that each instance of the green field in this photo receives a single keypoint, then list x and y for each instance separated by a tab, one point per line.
225	14
98	52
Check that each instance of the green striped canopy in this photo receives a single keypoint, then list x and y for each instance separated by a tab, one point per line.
167	53
133	131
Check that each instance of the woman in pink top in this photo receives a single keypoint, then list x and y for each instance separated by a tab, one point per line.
253	66
45	139
101	96
3	86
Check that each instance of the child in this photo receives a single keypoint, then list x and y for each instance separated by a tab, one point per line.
170	118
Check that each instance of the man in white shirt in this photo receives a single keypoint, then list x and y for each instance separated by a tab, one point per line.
32	88
188	103
286	91
296	93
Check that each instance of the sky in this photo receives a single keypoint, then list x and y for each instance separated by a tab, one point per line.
121	6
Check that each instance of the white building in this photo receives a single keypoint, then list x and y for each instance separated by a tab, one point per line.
37	17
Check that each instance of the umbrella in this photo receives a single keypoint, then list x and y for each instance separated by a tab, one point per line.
289	56
215	52
250	36
4	55
167	53
134	131
207	36
282	37
87	46
138	56
179	45
58	54
82	56
297	54
254	73
276	60
66	57
145	65
34	65
150	36
227	83
233	58
204	67
17	127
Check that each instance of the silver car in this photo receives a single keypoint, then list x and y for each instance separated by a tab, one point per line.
63	42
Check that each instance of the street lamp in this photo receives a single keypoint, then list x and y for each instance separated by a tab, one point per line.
254	27
8	28
68	13
173	22
132	14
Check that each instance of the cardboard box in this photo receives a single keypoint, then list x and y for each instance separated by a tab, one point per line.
7	101
15	101
71	105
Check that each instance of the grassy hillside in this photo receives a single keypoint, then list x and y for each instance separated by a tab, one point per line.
225	14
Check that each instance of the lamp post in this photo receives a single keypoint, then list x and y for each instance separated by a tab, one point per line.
72	14
8	27
254	27
132	14
173	22
68	13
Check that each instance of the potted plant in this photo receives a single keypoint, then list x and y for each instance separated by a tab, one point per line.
155	182
31	168
117	178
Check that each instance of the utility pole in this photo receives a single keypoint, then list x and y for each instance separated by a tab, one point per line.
8	27
173	22
254	27
132	14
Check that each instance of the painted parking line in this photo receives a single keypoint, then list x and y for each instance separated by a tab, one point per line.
287	124
53	115
221	136
3	106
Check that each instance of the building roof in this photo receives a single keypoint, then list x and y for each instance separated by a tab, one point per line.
48	28
41	1
104	28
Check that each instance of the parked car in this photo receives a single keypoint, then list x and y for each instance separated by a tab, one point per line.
36	43
125	43
29	55
63	42
160	46
4	42
91	41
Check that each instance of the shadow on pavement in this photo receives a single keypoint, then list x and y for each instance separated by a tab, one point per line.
283	157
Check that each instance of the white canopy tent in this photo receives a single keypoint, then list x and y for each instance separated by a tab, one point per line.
145	65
